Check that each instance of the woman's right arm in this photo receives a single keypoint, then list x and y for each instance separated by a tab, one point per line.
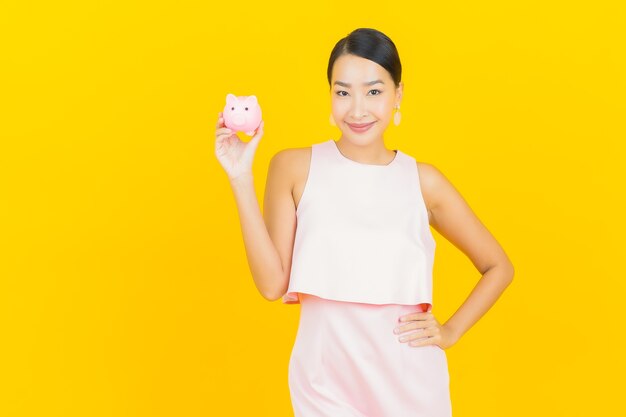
268	241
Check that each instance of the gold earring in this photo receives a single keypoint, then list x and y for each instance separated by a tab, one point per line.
332	121
397	116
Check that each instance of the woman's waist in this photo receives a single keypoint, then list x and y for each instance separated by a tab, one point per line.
321	307
326	322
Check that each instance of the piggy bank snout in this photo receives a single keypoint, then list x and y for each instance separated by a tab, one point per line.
239	119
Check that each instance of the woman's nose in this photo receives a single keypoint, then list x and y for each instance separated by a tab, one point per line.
358	110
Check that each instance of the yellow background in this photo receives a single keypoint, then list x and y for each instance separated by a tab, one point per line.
124	284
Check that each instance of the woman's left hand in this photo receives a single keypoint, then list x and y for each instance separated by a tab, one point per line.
430	332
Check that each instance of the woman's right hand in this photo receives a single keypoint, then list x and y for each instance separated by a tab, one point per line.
234	155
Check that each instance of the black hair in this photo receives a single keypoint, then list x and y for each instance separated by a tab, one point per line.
369	44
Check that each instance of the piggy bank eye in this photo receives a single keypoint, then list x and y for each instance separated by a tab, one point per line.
232	108
246	109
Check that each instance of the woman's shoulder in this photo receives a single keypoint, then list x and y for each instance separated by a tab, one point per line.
292	163
292	158
430	178
434	184
427	171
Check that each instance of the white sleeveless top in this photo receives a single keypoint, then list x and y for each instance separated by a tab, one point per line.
362	232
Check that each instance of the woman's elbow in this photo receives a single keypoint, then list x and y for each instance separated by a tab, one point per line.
510	270
273	294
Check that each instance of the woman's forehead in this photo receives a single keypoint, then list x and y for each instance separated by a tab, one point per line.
356	70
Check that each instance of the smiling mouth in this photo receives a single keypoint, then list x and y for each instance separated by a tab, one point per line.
360	125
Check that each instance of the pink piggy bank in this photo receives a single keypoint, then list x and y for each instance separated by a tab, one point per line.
242	113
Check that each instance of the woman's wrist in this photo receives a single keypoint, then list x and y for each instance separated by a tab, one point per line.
455	334
241	180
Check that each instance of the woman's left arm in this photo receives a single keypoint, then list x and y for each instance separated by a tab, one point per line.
453	218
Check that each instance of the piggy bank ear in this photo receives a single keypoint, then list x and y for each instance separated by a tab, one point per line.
231	99
252	100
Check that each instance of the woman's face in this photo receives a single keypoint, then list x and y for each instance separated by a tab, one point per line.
362	92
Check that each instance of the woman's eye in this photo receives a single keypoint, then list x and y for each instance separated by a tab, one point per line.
342	95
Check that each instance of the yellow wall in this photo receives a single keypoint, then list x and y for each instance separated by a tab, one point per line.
124	284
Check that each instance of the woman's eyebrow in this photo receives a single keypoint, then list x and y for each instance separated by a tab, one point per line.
341	83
